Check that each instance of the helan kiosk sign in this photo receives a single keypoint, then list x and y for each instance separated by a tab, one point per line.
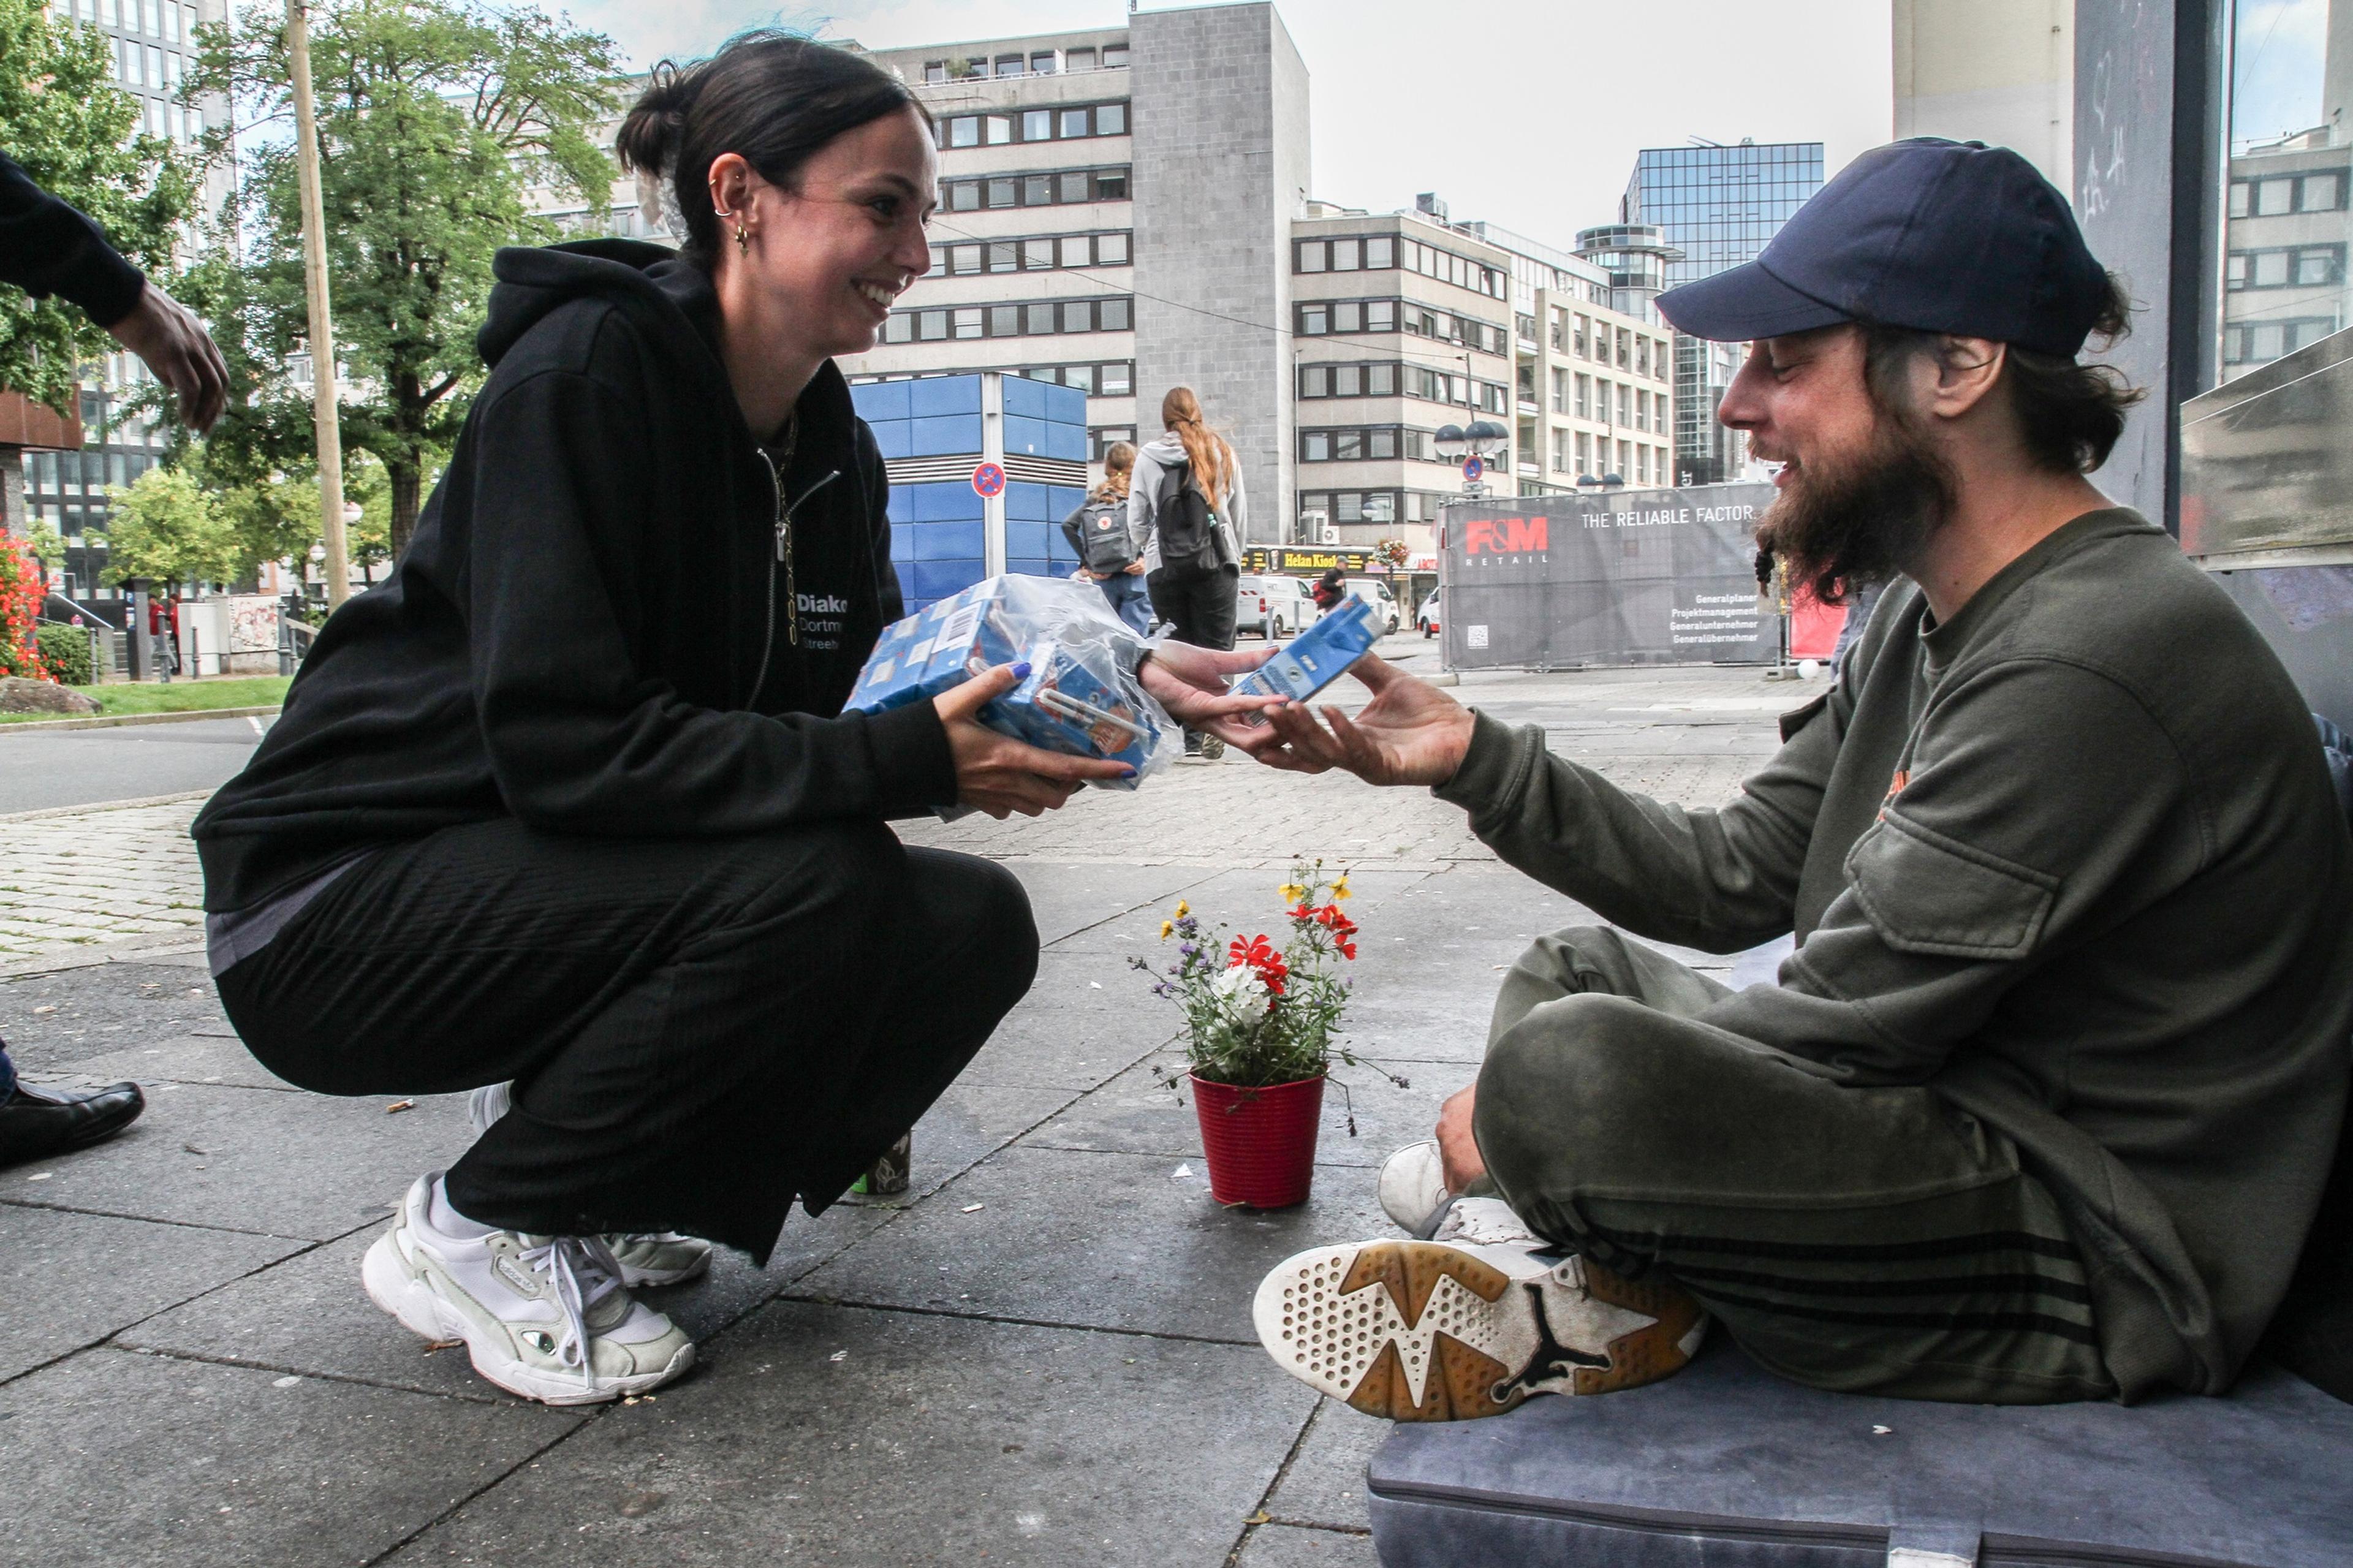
1639	577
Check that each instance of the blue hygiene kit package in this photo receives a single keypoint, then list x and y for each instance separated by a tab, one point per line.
1078	699
1316	658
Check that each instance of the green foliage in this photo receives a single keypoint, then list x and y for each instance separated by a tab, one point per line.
48	545
65	653
437	119
167	528
71	128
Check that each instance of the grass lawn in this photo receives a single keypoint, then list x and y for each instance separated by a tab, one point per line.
182	696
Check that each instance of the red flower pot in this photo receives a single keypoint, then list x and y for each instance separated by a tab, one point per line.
1260	1141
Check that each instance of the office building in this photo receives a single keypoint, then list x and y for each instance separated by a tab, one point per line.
154	43
1593	380
1115	210
1997	71
1717	206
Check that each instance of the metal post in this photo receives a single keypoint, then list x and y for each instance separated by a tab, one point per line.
324	403
141	646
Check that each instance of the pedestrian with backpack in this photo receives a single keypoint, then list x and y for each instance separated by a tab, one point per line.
1102	535
1186	503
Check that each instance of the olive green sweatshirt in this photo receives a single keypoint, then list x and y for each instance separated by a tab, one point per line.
2071	859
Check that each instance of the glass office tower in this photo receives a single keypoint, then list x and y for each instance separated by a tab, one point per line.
1717	206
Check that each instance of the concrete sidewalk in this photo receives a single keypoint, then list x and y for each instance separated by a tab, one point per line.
1043	1355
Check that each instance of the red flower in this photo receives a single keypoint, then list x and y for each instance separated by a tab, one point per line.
1261	956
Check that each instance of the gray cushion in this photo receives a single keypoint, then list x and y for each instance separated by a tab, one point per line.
1724	1466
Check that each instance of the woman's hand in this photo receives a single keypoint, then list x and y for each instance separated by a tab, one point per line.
173	343
1134	568
1409	733
998	775
1190	682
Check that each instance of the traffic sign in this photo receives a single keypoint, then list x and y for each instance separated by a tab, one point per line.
989	480
1473	467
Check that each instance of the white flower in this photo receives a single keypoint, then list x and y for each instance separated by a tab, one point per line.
1244	991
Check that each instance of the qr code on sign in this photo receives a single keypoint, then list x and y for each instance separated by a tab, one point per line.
1478	636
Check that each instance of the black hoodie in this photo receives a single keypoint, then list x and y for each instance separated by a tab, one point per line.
589	631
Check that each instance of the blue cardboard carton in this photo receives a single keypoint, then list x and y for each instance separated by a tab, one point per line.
1316	658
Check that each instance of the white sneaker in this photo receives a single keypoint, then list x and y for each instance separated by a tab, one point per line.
546	1317
1413	1186
1423	1330
646	1256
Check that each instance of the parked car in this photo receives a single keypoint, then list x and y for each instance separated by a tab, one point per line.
1272	606
1384	603
1426	617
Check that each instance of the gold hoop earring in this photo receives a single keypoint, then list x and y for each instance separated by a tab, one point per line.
743	239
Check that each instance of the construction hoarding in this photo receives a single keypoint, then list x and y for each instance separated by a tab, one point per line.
1664	577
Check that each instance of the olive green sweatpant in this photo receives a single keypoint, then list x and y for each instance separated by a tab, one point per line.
1856	1239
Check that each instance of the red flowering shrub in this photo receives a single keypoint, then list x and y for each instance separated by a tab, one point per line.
22	590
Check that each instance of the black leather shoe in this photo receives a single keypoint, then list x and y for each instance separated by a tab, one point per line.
35	1122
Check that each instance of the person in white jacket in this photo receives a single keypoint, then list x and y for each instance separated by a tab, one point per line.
1194	581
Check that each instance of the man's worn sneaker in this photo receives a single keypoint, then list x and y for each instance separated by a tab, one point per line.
1425	1330
546	1317
646	1258
1413	1186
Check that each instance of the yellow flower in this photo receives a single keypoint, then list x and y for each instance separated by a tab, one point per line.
1292	893
1340	888
1165	927
1183	909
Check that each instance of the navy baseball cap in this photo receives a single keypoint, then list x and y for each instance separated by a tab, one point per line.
1938	235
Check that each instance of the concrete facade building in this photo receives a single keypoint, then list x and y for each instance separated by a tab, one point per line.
1997	71
1593	388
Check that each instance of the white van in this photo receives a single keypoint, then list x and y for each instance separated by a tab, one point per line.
1385	606
1272	606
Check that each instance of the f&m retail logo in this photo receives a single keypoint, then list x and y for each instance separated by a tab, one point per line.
1509	537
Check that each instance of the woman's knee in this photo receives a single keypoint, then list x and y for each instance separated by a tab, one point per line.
973	918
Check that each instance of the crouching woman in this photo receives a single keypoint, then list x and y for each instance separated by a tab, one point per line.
570	801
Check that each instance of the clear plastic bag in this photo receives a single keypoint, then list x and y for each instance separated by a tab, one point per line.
1081	696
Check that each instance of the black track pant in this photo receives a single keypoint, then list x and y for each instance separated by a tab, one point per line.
1201	607
699	1030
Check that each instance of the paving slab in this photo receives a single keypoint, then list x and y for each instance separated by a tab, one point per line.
1326	1481
191	1058
304	1165
1070	1047
1066	897
310	1314
1137	1113
853	1438
1115	1241
56	1017
85	1277
1237	899
1288	1546
118	1457
969	1122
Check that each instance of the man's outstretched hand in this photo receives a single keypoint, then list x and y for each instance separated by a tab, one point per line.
176	346
1409	733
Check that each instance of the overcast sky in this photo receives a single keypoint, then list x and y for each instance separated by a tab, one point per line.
1524	113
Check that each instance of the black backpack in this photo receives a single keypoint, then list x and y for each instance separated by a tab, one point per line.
1186	522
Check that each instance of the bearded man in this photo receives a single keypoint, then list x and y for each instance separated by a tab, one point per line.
2045	1099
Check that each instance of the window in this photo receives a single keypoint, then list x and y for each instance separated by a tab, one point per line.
1037	190
1585	398
1004	192
1584	454
1380	253
935	70
999	129
1313	254
1642	357
1560	447
1078	60
1074	121
1004	321
1625	349
1009	64
1110	184
964	195
1042	64
1111	250
1038	255
1115	57
1116	314
1622	390
2275	197
1347	255
1111	119
968	323
1119	379
1038	125
1583	324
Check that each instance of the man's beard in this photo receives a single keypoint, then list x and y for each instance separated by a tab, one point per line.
1841	524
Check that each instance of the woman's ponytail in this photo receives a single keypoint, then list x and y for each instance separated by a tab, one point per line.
1180	415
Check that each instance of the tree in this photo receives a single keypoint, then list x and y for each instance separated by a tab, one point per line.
71	128
436	120
167	529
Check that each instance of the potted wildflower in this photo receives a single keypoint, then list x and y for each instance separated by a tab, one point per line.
1260	1022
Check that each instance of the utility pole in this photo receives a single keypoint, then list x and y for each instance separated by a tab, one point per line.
324	403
